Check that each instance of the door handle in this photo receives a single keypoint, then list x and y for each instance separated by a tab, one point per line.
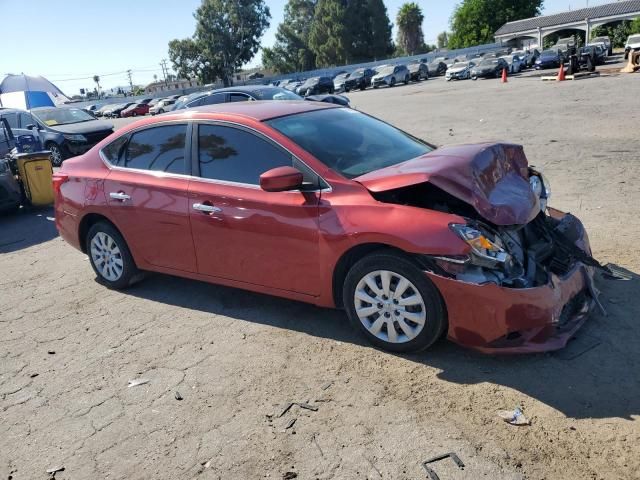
202	207
119	196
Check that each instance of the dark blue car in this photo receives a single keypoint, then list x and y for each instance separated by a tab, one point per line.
548	59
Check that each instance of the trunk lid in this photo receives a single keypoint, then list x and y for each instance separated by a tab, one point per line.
491	177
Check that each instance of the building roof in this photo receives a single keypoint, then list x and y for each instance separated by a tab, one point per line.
573	16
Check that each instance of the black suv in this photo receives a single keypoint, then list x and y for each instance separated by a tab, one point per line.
360	78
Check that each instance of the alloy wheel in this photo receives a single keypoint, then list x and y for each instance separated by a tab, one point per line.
106	256
389	306
55	155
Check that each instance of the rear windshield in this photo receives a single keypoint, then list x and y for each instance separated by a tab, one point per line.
348	141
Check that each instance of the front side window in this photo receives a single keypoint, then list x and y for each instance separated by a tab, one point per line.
12	119
26	119
157	149
239	97
235	155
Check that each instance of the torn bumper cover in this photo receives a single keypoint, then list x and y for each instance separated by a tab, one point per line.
495	319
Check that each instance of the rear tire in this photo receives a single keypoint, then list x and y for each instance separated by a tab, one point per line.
407	79
110	257
57	155
408	296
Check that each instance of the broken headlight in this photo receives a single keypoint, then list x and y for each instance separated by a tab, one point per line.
540	186
484	251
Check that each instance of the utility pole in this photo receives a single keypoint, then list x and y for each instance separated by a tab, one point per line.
130	81
163	64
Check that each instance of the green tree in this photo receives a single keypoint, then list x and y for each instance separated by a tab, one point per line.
329	35
377	30
188	60
617	31
443	40
475	22
291	51
410	38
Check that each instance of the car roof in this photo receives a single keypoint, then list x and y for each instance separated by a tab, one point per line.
258	110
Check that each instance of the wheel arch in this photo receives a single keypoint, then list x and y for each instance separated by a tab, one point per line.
356	253
87	222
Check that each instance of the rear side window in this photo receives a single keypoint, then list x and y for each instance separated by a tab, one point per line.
12	119
114	151
214	99
158	149
238	97
235	155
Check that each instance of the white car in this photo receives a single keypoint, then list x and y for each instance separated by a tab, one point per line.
515	64
162	106
459	71
633	44
391	75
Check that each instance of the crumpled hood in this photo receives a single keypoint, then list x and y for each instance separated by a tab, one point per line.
491	177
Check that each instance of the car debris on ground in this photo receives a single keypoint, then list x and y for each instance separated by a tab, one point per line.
514	417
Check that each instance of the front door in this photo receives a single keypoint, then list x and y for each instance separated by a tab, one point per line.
241	232
147	191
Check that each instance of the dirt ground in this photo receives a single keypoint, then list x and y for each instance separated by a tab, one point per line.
68	346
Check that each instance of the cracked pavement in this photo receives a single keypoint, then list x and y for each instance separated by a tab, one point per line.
68	346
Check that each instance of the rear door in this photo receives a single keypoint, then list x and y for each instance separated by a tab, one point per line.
241	232
147	192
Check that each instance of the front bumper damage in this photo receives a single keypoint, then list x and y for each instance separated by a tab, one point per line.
495	319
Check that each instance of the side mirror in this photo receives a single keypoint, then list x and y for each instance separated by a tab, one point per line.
31	126
281	179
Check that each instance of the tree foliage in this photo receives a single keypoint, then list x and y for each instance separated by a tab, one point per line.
328	37
227	36
443	40
475	22
369	30
291	51
618	31
410	38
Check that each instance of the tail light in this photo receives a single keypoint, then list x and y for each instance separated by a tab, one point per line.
58	180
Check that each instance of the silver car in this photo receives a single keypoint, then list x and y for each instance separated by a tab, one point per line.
391	75
459	71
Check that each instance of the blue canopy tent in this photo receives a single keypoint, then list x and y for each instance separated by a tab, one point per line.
26	92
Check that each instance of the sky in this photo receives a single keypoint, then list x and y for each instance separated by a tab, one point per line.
69	41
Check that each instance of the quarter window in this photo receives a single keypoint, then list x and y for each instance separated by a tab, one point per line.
214	99
238	97
158	149
235	155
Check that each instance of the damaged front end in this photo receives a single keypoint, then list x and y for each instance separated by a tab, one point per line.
526	281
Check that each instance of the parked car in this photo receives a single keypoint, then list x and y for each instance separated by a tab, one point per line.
116	110
418	71
340	210
65	131
185	101
359	79
91	109
459	71
99	112
164	105
256	75
607	42
293	85
548	59
256	92
604	49
437	67
513	62
596	53
633	44
135	110
146	101
339	82
489	68
391	75
315	86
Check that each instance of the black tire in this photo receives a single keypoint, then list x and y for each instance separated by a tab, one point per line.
130	273
57	153
393	82
436	318
407	79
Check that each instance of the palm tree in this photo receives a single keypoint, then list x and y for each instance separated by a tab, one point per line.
409	21
96	78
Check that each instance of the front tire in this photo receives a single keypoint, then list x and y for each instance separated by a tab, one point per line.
406	80
56	156
393	82
393	303
110	257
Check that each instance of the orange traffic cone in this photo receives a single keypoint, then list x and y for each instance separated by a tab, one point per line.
561	77
504	75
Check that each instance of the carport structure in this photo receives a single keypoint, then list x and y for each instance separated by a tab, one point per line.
583	19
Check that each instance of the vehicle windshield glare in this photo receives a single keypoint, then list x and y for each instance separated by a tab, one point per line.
62	116
386	70
358	73
459	65
489	62
275	94
634	38
549	52
342	76
312	80
349	142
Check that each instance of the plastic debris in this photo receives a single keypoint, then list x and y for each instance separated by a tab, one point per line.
178	396
308	407
514	417
54	470
290	424
138	381
51	352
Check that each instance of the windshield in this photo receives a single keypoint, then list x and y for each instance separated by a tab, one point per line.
275	94
634	39
385	71
358	73
459	65
548	53
62	116
487	62
312	80
358	143
342	76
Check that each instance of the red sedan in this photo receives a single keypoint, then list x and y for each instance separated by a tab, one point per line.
330	206
137	109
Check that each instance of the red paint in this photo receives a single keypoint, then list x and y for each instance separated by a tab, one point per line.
281	179
136	110
288	243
